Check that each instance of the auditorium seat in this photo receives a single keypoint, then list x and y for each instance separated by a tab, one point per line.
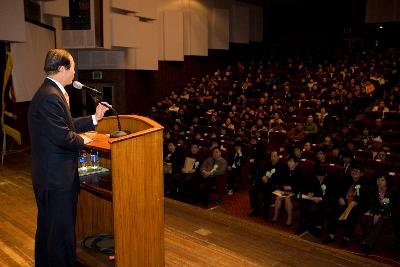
205	143
393	157
391	125
395	180
395	147
277	139
334	171
295	119
203	121
392	115
378	166
361	153
307	111
396	166
359	161
307	168
228	145
370	176
361	124
308	155
372	115
390	136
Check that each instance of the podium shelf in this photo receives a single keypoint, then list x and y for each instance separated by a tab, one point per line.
99	184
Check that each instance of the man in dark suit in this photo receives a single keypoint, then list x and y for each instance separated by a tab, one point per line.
55	147
350	202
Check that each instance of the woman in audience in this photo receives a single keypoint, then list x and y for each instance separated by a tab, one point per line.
365	137
381	155
228	124
322	118
381	210
288	186
276	120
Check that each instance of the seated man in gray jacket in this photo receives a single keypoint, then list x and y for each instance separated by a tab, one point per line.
213	171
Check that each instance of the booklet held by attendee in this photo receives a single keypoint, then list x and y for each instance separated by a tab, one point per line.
188	167
282	193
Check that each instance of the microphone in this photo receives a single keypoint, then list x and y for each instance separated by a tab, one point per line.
118	133
80	86
94	94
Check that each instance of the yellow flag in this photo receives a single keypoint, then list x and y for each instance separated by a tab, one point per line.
8	91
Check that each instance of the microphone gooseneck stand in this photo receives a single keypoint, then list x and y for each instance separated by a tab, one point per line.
115	134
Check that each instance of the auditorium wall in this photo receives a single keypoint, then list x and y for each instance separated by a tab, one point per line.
150	47
192	36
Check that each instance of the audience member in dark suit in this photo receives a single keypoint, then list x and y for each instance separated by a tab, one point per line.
55	147
269	174
382	201
347	157
316	198
351	201
289	183
188	178
236	161
173	163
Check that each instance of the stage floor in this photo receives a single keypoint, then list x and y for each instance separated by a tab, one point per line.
193	236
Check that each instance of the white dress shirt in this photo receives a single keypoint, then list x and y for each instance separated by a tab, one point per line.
63	91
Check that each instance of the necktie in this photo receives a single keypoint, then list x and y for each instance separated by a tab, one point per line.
67	98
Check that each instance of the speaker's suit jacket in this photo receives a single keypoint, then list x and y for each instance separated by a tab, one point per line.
55	145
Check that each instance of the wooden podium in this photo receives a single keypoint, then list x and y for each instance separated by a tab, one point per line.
127	201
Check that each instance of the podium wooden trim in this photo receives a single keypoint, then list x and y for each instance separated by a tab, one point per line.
135	213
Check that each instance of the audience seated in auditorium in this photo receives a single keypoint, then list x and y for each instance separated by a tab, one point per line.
253	101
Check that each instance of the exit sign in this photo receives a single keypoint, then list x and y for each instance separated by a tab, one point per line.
97	75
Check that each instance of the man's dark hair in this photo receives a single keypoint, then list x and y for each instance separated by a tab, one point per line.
194	144
321	172
55	59
295	159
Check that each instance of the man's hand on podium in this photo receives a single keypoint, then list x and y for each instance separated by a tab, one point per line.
101	109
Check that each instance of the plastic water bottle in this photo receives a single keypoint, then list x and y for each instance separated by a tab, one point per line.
83	165
94	158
